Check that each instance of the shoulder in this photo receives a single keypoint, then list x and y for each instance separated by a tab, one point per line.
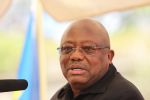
59	95
124	88
121	83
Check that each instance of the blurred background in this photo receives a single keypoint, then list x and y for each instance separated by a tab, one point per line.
130	39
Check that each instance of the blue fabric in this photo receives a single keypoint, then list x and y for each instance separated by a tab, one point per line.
28	68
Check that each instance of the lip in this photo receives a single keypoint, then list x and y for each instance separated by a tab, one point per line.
76	69
76	66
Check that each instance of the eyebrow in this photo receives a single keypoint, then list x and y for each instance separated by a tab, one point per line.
67	42
89	41
86	41
82	43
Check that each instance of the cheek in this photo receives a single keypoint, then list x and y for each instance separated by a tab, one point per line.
103	60
63	60
63	64
95	66
98	65
95	61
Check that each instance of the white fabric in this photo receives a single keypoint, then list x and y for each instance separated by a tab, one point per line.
73	9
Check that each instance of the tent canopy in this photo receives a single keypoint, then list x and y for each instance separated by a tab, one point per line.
74	9
63	10
4	4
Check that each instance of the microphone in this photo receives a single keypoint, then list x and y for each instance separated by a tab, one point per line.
7	85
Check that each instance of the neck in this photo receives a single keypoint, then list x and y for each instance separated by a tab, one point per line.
75	92
76	89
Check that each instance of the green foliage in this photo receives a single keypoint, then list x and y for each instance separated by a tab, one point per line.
10	50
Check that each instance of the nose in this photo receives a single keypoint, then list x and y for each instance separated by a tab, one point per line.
77	55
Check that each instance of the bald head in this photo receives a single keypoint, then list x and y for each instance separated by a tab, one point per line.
78	46
89	26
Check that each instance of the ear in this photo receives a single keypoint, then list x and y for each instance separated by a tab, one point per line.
110	56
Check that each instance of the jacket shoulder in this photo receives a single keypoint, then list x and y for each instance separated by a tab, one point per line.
59	95
124	88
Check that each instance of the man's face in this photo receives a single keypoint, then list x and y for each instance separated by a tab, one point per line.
79	67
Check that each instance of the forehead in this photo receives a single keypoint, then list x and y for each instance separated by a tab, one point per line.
84	31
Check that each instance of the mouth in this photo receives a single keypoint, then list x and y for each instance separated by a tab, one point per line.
76	70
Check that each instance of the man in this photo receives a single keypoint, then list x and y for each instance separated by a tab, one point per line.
86	63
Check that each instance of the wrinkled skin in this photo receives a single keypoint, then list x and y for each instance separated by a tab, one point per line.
92	67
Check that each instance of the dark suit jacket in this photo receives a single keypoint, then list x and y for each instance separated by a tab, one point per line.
111	87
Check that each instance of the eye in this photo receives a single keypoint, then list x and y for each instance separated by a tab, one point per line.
88	49
67	49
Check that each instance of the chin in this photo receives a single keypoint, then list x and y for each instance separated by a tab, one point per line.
75	81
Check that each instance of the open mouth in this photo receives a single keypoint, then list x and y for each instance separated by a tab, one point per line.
76	71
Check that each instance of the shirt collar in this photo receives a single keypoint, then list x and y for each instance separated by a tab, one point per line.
99	87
